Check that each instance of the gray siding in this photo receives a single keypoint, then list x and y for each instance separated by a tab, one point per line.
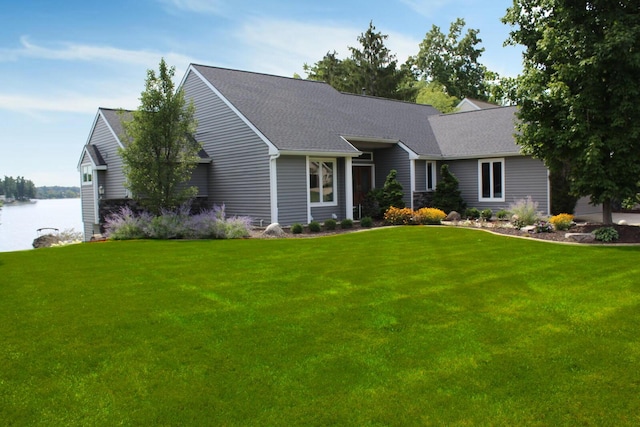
108	146
583	207
239	172
200	179
398	159
88	203
524	177
421	175
292	190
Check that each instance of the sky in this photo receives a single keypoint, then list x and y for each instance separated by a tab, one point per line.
60	60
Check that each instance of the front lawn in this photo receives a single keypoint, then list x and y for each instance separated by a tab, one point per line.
397	326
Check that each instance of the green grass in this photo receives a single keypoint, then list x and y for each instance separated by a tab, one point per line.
400	326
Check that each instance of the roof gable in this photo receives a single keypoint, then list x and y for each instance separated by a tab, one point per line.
478	133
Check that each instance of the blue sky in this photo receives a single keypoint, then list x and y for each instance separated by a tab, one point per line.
61	60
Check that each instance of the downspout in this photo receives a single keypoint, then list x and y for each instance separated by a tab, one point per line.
348	179
412	172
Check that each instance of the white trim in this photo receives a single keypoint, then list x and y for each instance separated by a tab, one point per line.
491	162
307	192
273	150
412	154
434	175
549	191
334	180
348	183
273	186
412	174
319	153
82	173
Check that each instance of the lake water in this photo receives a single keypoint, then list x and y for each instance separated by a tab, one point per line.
19	222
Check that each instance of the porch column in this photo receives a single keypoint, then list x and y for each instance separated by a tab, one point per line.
348	190
412	168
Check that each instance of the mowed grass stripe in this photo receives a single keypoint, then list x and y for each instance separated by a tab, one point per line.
399	326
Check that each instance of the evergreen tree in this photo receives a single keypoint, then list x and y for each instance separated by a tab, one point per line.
392	194
447	196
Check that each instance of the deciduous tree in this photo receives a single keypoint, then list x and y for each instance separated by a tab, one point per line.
161	151
579	91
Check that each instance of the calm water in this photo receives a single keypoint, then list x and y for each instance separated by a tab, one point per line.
18	223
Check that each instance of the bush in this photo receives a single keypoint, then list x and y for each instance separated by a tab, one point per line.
428	216
178	224
330	224
296	228
371	204
125	225
472	213
502	214
543	227
314	226
562	221
398	216
525	212
447	195
366	222
346	223
392	194
606	234
486	214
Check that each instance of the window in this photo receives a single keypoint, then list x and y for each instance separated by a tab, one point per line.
491	180
87	174
322	183
431	176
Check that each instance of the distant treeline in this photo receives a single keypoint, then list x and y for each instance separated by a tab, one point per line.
17	188
57	192
24	189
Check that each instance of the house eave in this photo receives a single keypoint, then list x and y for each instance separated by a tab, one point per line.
321	153
478	156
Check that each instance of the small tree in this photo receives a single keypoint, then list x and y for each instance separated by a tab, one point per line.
161	152
392	194
447	195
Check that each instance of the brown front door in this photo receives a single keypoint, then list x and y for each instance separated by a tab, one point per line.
362	183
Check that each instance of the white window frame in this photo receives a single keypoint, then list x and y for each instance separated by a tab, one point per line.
334	168
491	163
433	175
87	171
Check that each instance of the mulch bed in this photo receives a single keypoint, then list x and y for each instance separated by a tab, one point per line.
628	233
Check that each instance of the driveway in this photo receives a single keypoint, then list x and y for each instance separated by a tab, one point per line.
630	218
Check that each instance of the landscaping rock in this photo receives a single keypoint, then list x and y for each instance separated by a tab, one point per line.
581	237
529	229
45	241
273	230
453	216
622	222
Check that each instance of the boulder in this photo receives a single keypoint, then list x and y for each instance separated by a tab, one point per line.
581	237
453	216
274	230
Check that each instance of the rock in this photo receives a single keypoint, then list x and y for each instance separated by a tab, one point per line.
622	222
580	237
529	228
453	216
273	229
45	241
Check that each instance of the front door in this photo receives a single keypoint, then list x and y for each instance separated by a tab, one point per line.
362	184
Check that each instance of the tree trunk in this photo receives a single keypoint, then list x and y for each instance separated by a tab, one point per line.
607	214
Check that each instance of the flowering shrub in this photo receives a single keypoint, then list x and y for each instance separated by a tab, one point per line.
543	227
210	224
428	216
398	216
562	221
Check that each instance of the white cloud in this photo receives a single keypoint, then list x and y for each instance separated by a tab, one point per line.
282	47
426	8
63	103
91	53
200	6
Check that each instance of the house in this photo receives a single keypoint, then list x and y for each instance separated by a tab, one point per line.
289	150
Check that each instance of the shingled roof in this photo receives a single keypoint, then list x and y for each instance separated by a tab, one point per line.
309	116
476	133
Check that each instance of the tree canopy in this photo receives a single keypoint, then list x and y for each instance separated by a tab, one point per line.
17	188
453	61
579	91
161	151
371	69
